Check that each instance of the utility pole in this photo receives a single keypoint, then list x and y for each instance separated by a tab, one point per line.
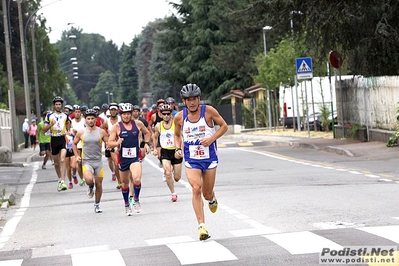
11	94
24	66
38	113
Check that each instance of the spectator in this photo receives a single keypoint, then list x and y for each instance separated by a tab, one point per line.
25	130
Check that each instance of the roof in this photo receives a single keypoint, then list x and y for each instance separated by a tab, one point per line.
254	88
233	93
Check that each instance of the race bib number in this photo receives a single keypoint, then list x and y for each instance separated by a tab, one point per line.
199	152
129	152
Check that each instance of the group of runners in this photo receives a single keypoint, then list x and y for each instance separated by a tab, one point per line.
79	135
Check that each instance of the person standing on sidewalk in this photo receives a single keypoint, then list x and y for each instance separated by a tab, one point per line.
32	134
44	141
25	130
126	135
196	123
58	123
171	166
92	138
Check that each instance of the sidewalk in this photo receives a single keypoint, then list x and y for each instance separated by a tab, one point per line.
345	147
24	156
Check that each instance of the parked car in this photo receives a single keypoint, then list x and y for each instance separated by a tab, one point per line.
315	119
288	122
318	120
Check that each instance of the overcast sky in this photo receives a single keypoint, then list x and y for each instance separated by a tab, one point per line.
116	20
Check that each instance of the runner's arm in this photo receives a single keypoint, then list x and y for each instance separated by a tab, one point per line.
112	141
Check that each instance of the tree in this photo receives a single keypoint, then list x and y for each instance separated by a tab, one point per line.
94	56
364	32
106	83
128	79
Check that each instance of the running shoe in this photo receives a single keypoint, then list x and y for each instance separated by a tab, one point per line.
131	200
63	185
214	205
137	206
119	186
113	177
128	210
163	177
203	233
43	166
90	192
75	179
59	186
174	197
70	185
81	182
97	208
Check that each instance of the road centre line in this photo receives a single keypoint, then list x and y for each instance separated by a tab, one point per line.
314	164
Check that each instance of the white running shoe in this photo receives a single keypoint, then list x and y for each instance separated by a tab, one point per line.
137	206
128	211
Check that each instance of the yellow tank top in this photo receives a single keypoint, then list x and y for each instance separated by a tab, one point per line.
166	136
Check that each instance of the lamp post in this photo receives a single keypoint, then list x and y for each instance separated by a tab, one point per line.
266	28
295	77
22	32
108	93
24	66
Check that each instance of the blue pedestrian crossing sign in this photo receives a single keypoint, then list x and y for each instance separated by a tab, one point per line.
304	68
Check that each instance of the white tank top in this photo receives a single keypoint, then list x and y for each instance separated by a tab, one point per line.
110	124
78	126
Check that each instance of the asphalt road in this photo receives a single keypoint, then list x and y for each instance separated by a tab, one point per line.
277	206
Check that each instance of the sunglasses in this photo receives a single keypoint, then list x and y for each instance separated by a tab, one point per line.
165	113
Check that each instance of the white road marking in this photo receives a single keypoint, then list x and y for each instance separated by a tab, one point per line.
12	224
373	176
390	232
201	252
169	240
109	257
302	242
254	231
87	249
11	263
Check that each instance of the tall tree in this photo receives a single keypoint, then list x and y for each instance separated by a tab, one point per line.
128	79
364	31
106	83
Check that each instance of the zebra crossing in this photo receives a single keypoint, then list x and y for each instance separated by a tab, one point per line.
288	248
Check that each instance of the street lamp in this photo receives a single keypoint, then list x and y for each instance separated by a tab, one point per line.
265	29
22	32
108	93
24	66
295	77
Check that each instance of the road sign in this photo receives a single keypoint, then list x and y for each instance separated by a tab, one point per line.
304	68
335	59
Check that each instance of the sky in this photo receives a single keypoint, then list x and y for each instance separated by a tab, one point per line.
116	20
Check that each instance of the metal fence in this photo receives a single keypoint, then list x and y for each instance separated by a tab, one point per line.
230	115
5	129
